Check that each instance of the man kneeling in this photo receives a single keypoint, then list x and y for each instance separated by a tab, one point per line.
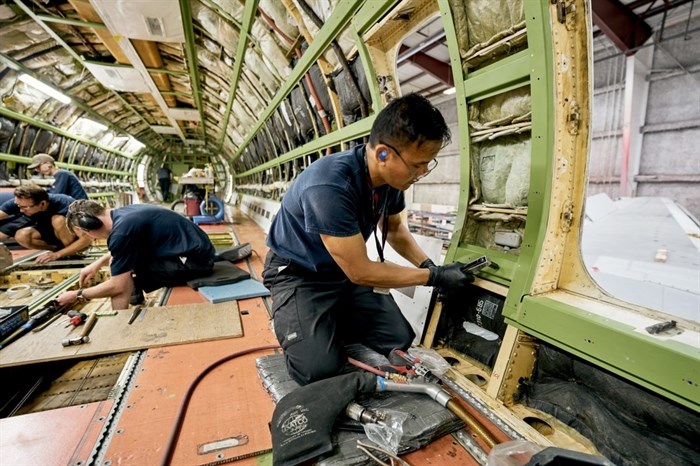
149	247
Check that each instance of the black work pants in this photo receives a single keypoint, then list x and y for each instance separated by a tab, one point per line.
317	314
164	187
170	271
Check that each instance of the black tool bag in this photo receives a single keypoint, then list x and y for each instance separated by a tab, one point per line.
302	421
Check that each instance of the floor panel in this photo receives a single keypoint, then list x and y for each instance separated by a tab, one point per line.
64	436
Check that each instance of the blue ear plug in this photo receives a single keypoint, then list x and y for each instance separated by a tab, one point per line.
382	155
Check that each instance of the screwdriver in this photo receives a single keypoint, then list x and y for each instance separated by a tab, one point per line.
76	318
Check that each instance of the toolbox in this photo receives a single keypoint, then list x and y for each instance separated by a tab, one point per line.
12	320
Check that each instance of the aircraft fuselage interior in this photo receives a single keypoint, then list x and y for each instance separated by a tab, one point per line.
569	184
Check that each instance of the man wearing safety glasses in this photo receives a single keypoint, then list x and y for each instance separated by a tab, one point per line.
37	220
326	292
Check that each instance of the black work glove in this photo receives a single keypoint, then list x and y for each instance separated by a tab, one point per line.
449	278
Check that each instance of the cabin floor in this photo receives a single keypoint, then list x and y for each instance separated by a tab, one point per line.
226	419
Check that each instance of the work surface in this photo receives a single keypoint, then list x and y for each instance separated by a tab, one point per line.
155	326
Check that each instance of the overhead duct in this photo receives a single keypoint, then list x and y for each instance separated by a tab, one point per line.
123	79
188	114
149	53
153	20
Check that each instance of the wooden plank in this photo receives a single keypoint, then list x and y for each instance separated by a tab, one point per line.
155	326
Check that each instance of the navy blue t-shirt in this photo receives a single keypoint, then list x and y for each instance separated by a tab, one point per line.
67	183
141	233
331	197
58	204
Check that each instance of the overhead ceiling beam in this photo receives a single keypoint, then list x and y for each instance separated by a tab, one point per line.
434	67
69	166
191	52
251	7
428	44
622	25
71	22
76	57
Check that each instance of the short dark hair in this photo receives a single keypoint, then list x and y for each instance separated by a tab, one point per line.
32	191
81	207
407	120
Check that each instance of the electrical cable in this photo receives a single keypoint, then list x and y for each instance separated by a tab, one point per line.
179	418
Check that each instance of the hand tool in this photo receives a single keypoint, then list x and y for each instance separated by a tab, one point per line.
421	370
38	320
477	264
48	322
135	314
83	338
76	318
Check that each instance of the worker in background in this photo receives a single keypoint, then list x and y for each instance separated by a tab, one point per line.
149	247
164	176
326	292
40	223
65	182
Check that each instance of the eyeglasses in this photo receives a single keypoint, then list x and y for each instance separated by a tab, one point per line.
413	170
24	207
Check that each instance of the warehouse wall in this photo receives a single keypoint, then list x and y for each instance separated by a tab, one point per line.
669	134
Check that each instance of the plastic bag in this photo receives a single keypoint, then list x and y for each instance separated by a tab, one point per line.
513	453
388	433
432	359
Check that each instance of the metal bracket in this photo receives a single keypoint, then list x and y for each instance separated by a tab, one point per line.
573	119
565	12
567	216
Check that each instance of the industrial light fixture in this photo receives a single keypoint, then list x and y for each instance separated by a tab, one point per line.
449	91
48	90
83	126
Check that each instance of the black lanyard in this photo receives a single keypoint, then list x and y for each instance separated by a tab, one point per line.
377	214
385	221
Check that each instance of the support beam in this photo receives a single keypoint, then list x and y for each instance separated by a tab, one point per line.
251	7
437	69
191	53
634	115
622	25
